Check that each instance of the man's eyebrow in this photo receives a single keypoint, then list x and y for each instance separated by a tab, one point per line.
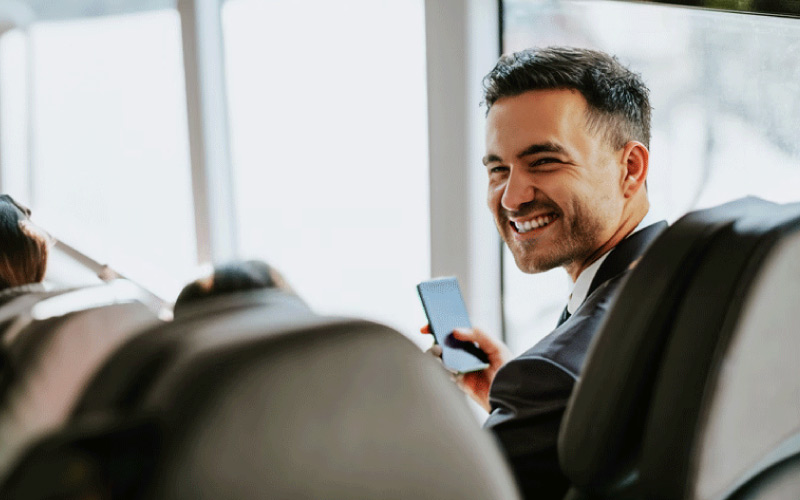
547	147
490	158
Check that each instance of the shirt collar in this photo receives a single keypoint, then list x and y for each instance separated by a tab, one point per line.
581	286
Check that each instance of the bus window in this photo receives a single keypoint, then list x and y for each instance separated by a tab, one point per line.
329	150
110	155
14	114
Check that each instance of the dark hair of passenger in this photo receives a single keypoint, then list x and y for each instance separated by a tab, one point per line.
24	247
238	276
619	104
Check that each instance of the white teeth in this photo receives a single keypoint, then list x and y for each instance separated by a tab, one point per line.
524	227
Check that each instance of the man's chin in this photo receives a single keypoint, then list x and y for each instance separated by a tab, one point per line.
535	265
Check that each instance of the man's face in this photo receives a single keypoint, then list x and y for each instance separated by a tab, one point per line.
555	188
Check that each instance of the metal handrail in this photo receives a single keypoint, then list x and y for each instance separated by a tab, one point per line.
107	273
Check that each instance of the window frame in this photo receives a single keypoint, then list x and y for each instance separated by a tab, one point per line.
783	9
462	45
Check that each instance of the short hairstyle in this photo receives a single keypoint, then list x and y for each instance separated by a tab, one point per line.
24	247
619	104
231	277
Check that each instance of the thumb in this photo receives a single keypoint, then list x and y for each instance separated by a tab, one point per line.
493	348
466	334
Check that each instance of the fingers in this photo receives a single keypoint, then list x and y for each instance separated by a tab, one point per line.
472	335
489	345
493	348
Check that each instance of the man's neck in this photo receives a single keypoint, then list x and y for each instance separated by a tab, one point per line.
579	288
627	226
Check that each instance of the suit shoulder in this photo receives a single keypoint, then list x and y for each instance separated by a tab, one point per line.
566	346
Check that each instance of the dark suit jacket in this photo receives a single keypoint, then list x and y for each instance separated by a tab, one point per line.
530	393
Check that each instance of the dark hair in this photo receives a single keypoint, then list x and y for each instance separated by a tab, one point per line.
24	247
618	98
238	276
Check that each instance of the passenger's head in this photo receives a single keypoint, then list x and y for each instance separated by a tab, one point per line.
238	276
566	153
618	100
24	247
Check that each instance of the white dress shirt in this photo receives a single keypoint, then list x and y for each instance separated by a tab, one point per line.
580	288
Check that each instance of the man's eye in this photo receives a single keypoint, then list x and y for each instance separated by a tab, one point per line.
545	161
498	170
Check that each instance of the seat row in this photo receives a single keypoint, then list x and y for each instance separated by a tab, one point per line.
691	389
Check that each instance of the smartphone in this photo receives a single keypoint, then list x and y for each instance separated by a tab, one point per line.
444	306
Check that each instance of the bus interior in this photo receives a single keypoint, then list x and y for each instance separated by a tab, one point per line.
156	139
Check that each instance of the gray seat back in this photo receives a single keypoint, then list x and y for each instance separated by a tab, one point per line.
128	375
52	350
335	409
268	400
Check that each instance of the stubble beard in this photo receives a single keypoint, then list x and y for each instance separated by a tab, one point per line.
576	241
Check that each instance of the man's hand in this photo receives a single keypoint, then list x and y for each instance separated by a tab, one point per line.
477	384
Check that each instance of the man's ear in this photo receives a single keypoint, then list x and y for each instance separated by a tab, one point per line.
635	158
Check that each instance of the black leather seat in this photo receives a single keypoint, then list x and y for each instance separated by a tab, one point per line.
781	481
260	398
633	427
726	405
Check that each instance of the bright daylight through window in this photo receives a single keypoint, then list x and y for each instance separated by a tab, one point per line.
110	155
329	150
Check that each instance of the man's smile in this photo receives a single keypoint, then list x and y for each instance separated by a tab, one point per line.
528	225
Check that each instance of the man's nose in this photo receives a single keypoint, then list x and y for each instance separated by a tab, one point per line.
518	191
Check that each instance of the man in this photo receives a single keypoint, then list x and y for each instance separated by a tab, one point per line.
567	138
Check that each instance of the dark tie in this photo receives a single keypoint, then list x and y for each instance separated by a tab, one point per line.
564	316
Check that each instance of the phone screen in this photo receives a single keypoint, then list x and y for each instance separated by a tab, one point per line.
444	306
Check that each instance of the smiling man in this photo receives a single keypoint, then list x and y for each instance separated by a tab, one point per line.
567	138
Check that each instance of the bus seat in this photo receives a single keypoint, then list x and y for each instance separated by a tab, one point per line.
781	481
601	434
347	410
128	374
16	302
257	402
726	404
51	349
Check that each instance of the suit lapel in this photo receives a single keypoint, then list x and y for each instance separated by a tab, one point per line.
625	253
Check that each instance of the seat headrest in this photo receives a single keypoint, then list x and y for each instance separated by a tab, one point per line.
334	408
601	433
725	404
127	375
